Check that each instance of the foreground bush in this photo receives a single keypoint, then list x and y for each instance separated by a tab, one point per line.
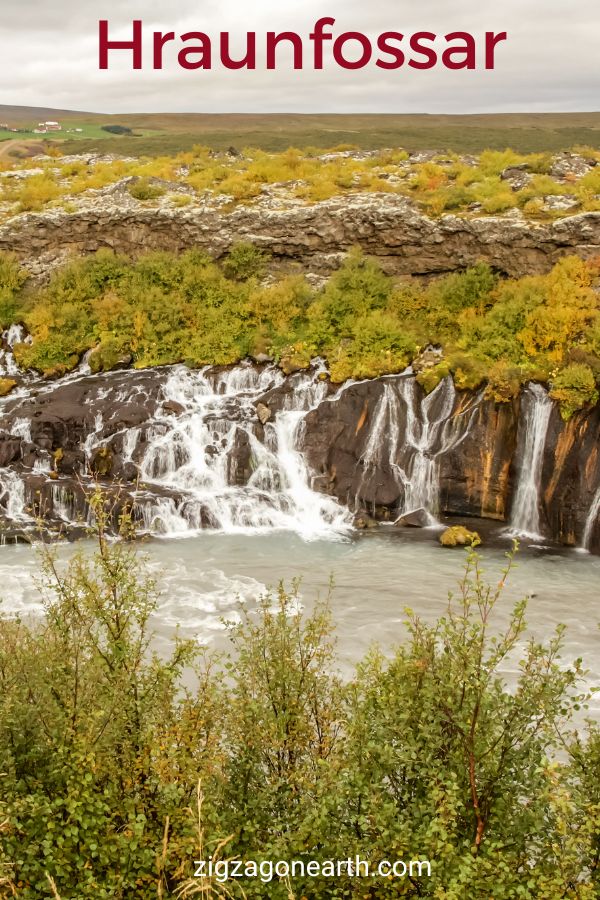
426	754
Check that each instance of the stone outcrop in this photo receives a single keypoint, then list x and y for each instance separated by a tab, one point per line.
310	237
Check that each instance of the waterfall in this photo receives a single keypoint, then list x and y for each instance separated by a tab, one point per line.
203	457
536	408
215	466
590	522
410	433
13	335
12	497
424	437
383	441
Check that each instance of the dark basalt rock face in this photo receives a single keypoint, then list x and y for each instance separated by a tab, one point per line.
473	453
571	476
477	470
61	414
475	476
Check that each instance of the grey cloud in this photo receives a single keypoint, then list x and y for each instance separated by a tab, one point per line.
48	56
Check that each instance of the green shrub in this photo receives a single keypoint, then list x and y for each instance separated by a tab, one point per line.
12	275
111	352
144	189
121	767
165	308
244	261
574	387
36	192
429	378
181	200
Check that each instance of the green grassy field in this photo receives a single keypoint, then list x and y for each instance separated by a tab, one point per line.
171	132
89	132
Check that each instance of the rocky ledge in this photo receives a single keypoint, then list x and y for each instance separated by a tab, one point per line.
309	238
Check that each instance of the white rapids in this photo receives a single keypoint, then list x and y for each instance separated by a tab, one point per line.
190	460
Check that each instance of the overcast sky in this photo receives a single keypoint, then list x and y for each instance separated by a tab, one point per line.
49	57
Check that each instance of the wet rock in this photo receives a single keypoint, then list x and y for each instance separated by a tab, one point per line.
69	462
570	477
101	463
416	518
263	412
240	458
172	406
336	438
475	474
459	536
362	521
125	471
360	446
10	449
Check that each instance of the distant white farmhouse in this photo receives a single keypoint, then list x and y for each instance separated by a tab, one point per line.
46	127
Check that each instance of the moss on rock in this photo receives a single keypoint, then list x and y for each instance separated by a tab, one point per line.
459	536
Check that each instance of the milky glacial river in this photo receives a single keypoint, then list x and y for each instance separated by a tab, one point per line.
209	577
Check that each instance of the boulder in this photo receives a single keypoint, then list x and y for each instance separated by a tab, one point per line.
416	518
172	406
10	449
459	536
571	166
263	412
362	521
518	177
427	359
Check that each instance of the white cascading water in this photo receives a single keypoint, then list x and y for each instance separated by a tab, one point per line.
187	456
590	522
425	436
13	335
190	458
417	430
12	496
536	407
384	436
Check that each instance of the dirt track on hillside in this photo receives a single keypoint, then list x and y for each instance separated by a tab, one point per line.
11	148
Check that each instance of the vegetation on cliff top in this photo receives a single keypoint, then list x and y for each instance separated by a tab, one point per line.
164	308
494	182
423	755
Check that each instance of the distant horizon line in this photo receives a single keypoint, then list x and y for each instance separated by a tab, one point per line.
247	114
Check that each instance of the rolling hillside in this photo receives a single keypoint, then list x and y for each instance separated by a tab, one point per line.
180	131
